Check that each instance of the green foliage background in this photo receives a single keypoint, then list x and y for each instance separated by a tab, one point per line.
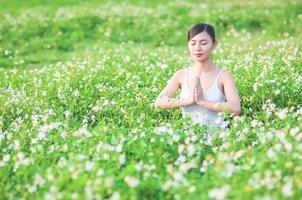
77	83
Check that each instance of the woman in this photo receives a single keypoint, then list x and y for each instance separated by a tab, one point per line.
205	88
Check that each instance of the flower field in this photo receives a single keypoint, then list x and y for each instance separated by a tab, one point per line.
77	84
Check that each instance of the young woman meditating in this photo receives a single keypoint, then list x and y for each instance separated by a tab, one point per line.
205	88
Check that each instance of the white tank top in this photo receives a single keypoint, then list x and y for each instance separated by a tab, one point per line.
200	114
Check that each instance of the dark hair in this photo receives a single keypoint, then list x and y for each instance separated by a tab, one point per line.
200	27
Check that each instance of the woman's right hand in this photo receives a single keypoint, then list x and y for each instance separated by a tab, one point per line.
190	99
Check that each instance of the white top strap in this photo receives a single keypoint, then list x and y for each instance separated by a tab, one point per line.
218	75
187	78
187	73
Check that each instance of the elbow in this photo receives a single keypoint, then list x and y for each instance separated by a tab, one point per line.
159	104
156	105
236	110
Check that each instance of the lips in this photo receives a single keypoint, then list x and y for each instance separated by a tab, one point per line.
198	54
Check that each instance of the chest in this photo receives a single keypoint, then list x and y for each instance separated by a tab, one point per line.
207	83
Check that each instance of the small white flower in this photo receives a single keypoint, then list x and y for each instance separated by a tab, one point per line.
287	188
32	188
230	169
6	158
108	181
282	114
119	148
115	196
219	193
167	185
271	153
191	189
89	165
175	138
181	148
100	172
163	129
191	149
122	159
131	181
178	176
76	93
1	135
139	166
180	159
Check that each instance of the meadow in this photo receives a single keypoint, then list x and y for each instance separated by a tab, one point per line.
77	84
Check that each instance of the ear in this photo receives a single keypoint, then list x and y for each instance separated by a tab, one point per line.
215	44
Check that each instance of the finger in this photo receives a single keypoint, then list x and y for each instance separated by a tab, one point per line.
199	82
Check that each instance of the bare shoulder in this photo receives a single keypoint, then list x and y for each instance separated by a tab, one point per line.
179	74
226	76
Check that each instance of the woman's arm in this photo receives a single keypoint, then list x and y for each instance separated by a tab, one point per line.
233	100
165	100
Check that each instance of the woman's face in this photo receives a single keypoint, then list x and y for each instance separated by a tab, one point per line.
201	46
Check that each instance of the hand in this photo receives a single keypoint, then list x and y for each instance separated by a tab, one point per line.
198	92
190	100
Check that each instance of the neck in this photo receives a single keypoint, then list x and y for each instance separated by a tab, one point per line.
203	66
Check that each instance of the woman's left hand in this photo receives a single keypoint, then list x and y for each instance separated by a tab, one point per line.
198	92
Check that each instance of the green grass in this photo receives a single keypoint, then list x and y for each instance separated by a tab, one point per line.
77	83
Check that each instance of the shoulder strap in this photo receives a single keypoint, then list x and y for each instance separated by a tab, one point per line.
187	74
218	75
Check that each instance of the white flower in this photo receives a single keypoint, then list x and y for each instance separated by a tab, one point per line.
287	188
164	129
76	93
230	169
115	196
106	156
180	159
131	181
218	120
191	189
254	123
119	148
175	138
122	159
32	188
6	158
1	135
282	114
108	181
178	176
191	149
41	135
205	165
89	165
219	193
181	148
39	180
67	113
100	172
167	185
127	58
271	154
83	132
294	131
47	128
139	166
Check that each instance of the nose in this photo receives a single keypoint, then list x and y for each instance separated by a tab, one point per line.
198	47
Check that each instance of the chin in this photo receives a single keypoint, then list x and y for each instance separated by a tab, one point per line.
200	59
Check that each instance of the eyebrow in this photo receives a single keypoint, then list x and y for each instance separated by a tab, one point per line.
200	40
